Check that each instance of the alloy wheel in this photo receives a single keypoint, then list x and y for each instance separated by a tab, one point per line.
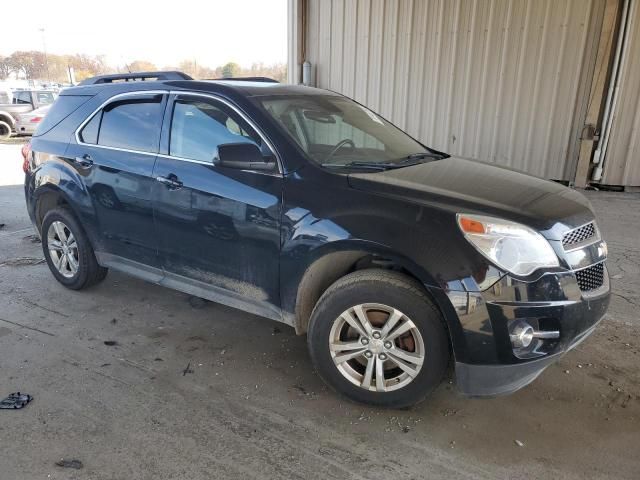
376	347
63	249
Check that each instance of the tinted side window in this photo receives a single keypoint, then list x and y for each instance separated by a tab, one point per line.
133	124
64	106
199	126
89	134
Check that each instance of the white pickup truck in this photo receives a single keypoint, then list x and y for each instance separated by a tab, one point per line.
24	101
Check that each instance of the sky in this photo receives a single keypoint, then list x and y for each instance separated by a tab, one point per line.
213	32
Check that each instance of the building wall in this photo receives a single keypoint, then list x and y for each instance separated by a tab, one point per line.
501	81
622	159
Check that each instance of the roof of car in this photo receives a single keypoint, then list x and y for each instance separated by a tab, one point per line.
250	87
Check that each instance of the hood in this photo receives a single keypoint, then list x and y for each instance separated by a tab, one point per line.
460	185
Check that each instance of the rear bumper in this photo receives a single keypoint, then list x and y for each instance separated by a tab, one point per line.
25	128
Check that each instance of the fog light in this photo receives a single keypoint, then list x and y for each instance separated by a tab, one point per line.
522	336
526	340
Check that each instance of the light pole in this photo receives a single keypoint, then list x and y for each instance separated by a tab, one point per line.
46	58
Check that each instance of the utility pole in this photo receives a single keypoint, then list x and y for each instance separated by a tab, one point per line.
46	58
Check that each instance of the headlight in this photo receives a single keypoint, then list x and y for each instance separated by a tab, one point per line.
511	246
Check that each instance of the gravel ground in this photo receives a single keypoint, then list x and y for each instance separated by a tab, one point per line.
135	381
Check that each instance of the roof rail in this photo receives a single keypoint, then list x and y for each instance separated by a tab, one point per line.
136	76
248	79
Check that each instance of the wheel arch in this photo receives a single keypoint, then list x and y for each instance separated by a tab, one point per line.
54	183
342	258
48	197
7	118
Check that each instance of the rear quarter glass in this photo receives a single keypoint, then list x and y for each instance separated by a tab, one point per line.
64	106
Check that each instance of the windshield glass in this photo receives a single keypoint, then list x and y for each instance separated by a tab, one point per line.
334	130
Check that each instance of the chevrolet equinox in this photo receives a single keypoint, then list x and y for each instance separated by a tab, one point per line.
303	206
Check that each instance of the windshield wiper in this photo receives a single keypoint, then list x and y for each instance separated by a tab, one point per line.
419	155
407	161
364	165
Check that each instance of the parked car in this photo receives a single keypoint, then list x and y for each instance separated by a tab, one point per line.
303	206
27	122
24	101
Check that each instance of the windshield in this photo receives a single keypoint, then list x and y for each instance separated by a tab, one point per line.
334	130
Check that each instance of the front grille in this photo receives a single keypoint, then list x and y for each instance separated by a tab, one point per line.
591	278
579	235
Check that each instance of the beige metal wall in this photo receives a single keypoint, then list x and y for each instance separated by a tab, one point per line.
502	81
622	160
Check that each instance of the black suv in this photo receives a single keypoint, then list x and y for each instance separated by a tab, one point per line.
303	206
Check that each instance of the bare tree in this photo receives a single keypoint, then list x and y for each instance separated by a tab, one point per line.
30	64
5	67
142	66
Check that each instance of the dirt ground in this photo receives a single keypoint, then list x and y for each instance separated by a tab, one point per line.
201	391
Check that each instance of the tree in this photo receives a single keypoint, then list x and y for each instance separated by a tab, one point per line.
187	66
5	67
30	65
206	73
142	66
34	65
277	71
230	70
94	65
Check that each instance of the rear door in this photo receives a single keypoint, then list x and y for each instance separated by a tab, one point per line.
218	227
115	152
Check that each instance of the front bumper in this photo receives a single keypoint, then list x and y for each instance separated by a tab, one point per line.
487	363
493	380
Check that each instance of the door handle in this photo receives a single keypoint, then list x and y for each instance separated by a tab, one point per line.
84	161
171	181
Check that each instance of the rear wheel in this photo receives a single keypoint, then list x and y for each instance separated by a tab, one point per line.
68	252
5	130
376	337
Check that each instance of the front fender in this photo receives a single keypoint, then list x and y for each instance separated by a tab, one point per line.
325	222
303	282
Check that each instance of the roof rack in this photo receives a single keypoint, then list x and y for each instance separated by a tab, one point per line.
248	79
137	76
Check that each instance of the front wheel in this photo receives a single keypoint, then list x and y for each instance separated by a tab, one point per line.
376	337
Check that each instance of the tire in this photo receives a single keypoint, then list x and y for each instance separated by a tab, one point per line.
383	295
5	130
59	223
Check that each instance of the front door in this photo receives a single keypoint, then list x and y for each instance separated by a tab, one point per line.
218	228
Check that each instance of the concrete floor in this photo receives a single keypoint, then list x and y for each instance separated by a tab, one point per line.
250	405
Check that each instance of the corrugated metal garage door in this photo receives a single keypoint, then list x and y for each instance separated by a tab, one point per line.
495	80
622	162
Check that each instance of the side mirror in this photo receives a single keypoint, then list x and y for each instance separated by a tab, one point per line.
243	156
